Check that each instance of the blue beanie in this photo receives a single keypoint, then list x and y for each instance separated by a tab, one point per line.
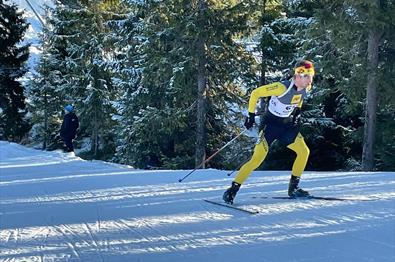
69	108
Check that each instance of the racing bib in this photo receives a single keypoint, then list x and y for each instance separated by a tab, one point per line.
277	108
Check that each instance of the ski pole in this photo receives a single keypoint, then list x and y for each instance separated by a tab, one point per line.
239	166
210	157
242	163
233	159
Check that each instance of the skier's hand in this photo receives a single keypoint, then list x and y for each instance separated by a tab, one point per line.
250	120
296	116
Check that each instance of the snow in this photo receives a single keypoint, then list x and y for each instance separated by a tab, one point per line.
57	207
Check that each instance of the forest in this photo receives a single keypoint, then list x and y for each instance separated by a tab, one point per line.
163	84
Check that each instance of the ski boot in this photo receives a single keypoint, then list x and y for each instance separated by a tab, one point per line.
294	191
231	192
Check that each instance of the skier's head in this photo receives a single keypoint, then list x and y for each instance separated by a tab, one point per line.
304	73
69	108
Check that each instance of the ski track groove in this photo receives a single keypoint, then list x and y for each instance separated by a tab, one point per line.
138	233
163	237
41	247
93	240
9	234
69	242
155	241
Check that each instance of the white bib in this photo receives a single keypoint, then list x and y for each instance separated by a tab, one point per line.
277	108
284	105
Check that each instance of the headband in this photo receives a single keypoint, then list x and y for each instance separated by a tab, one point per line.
306	68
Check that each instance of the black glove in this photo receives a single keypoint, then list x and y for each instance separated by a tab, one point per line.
296	116
250	120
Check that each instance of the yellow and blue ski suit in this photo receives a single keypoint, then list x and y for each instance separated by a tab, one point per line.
284	98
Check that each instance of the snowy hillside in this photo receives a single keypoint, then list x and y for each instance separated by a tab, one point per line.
57	207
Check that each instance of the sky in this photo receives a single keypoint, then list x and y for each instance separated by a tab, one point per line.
35	28
55	206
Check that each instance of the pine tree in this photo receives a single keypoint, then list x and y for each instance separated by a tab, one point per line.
269	37
46	100
352	44
81	43
47	97
164	127
127	73
13	55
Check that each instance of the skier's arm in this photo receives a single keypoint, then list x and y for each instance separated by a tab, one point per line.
67	124
78	123
274	89
76	126
64	127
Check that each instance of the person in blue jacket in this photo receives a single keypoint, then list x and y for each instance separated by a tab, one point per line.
68	131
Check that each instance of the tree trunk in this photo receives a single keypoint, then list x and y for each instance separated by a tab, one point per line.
95	136
262	80
371	100
98	18
46	131
263	101
200	153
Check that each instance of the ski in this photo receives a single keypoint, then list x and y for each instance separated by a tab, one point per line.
232	206
314	197
317	198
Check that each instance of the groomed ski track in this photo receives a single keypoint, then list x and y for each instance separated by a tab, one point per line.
57	207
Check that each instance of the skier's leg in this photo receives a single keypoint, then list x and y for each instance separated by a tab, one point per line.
260	152
302	154
69	145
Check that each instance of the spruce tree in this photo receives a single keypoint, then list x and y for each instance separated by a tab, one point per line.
81	43
13	55
46	100
47	96
164	127
354	49
127	73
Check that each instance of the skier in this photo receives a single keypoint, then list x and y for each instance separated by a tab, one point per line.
286	99
68	131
